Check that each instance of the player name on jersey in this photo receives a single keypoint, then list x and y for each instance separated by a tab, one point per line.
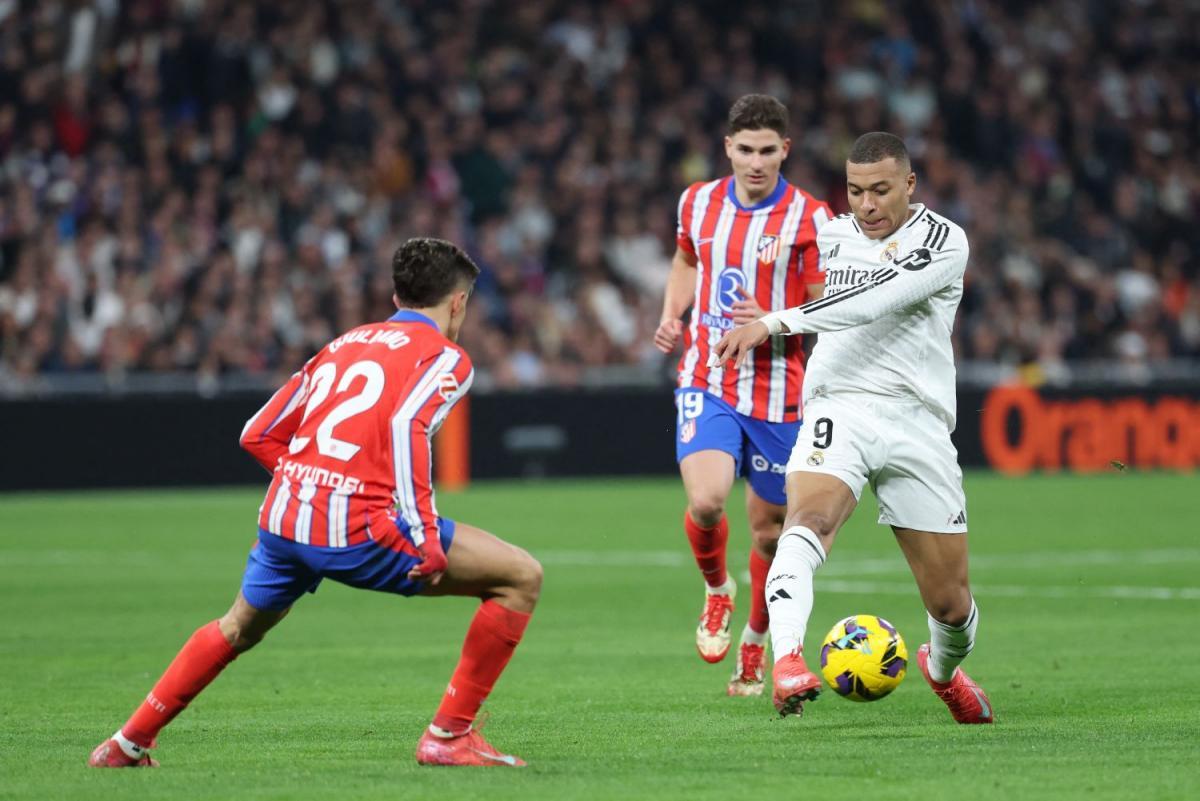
371	336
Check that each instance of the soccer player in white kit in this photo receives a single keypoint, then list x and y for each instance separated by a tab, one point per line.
879	407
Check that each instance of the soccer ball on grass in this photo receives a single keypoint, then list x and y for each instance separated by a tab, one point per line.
863	658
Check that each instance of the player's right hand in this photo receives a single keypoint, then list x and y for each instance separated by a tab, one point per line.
737	344
432	566
667	335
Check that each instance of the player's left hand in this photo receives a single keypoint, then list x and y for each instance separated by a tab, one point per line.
433	565
737	343
747	309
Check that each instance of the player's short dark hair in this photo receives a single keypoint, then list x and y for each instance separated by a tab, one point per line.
756	113
426	270
877	146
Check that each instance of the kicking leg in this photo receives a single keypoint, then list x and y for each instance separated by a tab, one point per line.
939	565
707	479
202	658
509	581
818	505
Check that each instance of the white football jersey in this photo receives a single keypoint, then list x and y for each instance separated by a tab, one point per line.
888	309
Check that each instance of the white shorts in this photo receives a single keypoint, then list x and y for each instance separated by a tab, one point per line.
900	447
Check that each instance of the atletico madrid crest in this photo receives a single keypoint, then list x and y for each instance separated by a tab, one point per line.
768	248
687	431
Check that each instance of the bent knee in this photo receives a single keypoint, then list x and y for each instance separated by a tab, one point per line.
823	525
239	637
525	579
706	510
531	577
951	608
765	539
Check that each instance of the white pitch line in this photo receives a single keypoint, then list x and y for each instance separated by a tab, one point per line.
826	581
1026	561
1035	559
681	558
65	558
1020	591
614	558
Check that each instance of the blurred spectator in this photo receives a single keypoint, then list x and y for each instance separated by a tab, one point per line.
217	186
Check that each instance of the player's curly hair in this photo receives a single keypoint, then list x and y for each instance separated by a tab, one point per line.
877	146
426	270
756	113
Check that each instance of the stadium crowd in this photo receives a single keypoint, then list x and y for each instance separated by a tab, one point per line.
217	187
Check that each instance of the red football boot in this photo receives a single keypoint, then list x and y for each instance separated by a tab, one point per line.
966	700
794	684
466	750
712	633
747	676
109	755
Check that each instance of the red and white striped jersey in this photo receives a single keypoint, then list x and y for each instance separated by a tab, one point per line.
348	437
769	250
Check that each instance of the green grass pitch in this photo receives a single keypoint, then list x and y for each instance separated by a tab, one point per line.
1088	646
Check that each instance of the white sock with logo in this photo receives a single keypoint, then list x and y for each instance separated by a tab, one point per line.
131	749
949	645
790	588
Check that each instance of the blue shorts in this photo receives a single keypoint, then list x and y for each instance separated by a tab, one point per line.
760	449
279	571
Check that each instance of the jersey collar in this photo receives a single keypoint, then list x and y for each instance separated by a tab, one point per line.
409	316
770	200
918	210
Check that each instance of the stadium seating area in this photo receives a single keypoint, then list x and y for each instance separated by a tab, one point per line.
217	187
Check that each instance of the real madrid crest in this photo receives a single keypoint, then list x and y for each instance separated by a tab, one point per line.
816	459
889	252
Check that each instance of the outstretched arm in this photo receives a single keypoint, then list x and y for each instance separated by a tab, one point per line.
917	276
914	278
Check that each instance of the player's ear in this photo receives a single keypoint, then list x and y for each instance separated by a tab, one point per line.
787	146
395	300
729	146
911	183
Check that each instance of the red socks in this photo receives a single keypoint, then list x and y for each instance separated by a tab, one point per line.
200	660
491	638
759	620
708	546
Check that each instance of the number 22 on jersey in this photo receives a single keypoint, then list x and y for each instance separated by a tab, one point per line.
322	383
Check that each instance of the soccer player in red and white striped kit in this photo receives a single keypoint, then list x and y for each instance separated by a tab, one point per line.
348	440
746	244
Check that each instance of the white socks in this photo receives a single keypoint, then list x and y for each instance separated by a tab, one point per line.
131	749
444	734
790	588
752	637
949	645
728	588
